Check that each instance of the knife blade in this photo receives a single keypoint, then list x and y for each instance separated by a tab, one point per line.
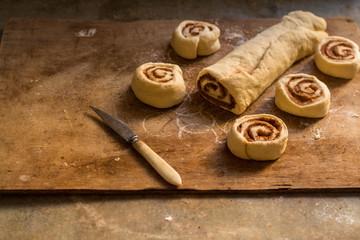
159	164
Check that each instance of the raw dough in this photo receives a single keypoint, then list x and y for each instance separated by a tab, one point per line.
302	95
338	57
159	85
235	81
258	137
195	38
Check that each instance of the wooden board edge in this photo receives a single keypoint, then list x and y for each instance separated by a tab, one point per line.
304	191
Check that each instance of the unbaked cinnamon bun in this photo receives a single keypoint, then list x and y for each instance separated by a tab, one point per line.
338	57
302	95
195	38
159	85
258	137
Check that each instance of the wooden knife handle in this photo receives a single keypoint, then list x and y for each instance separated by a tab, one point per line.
159	164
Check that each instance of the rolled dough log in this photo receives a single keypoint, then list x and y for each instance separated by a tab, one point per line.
235	81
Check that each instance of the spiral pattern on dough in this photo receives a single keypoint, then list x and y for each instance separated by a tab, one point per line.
159	74
215	92
195	38
258	137
338	57
195	29
160	85
338	50
260	129
302	89
302	95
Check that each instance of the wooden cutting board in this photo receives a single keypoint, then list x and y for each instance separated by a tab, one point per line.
51	141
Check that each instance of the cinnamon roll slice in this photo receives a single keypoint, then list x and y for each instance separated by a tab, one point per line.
160	85
239	78
338	57
195	38
258	137
302	95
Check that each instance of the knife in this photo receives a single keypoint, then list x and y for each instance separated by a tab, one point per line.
159	164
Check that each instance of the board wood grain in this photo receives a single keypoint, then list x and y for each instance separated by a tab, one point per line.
51	141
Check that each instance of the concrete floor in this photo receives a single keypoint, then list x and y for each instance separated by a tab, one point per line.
229	216
305	216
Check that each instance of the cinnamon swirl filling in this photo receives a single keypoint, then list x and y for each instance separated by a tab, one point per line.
260	129
303	90
338	50
159	74
215	92
194	29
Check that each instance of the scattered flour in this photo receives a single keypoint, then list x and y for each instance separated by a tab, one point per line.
169	218
317	134
343	215
231	36
86	32
24	178
235	34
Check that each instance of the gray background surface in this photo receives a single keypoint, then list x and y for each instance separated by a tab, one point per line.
228	216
